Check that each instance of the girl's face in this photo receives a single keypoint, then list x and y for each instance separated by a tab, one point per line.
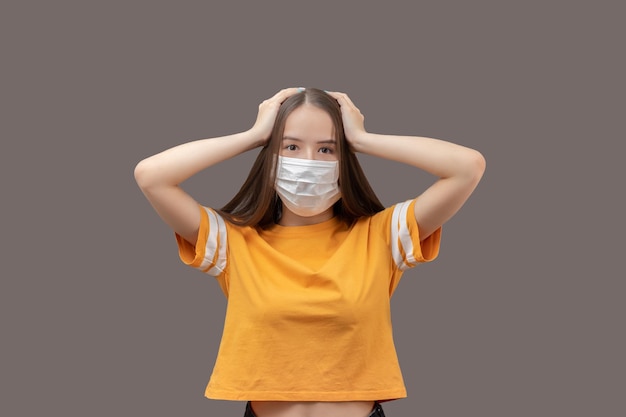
309	134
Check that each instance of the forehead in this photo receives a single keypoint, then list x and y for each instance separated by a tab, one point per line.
308	121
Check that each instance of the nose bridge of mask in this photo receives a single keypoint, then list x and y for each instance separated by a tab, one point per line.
308	170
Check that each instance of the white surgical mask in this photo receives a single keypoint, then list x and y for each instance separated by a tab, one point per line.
307	187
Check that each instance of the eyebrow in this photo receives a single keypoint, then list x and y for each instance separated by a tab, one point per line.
332	141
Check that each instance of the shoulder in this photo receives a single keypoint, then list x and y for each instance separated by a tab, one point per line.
208	253
399	229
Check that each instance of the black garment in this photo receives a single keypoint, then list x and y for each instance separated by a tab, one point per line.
377	411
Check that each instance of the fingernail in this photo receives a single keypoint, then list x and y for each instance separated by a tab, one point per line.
300	89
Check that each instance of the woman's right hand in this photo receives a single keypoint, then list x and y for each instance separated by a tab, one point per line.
268	110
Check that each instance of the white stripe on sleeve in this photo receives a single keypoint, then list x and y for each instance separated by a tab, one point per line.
220	262
216	241
400	237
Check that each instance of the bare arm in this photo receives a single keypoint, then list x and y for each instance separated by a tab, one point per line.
159	176
458	168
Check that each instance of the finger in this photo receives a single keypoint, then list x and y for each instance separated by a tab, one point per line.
285	93
334	94
349	101
343	100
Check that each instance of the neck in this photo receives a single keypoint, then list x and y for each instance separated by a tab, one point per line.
289	218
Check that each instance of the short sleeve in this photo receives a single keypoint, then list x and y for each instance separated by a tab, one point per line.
406	248
209	253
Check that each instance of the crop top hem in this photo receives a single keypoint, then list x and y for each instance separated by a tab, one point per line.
376	395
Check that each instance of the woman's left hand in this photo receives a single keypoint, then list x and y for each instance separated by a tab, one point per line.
353	119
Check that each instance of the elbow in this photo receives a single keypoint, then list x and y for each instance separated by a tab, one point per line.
480	163
475	165
143	174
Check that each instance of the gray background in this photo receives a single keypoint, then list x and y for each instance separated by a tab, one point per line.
523	312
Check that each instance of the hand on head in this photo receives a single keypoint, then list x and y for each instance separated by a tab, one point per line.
268	110
353	119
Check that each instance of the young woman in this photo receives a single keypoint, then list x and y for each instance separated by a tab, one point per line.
306	254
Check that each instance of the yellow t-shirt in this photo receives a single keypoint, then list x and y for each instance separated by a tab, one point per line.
308	313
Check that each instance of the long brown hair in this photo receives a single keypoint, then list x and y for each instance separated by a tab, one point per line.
258	204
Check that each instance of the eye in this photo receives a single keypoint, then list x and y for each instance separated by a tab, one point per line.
326	150
291	147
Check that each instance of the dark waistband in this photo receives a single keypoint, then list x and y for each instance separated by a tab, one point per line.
377	411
